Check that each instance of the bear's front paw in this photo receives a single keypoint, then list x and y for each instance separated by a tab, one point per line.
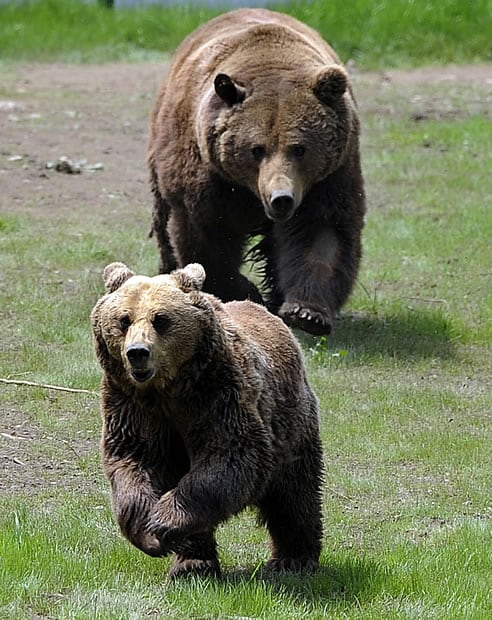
300	316
148	543
167	535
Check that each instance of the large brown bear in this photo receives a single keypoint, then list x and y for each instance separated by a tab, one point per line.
206	410
255	133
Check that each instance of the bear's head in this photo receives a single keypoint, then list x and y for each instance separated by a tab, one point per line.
146	328
278	135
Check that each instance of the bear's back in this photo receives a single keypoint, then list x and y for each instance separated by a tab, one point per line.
247	34
268	332
245	23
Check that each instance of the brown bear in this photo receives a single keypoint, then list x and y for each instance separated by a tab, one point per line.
206	409
255	133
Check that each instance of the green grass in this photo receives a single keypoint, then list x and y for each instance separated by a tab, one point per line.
403	383
44	570
373	33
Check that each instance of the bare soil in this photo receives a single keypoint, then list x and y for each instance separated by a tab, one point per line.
96	116
99	114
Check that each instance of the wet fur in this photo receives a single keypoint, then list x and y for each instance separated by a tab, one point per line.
233	424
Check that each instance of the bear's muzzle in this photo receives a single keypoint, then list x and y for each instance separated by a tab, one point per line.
281	205
138	355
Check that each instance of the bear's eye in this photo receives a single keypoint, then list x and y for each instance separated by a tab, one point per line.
125	323
161	323
298	151
258	152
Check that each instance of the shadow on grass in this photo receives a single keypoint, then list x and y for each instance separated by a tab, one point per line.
345	581
411	335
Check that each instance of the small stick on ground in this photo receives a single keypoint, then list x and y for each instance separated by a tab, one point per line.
47	386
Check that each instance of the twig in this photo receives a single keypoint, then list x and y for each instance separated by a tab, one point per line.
340	495
47	386
70	447
427	300
9	436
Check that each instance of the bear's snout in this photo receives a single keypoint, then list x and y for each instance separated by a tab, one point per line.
282	205
138	355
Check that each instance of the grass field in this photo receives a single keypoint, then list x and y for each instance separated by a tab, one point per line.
404	382
373	33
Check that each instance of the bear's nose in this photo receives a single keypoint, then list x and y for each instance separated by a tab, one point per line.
282	203
138	355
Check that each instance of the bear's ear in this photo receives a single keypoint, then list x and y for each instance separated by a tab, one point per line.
330	84
116	274
190	278
228	90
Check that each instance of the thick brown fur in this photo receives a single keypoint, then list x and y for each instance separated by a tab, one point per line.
255	132
207	410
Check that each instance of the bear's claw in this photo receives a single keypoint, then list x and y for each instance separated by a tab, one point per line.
311	321
169	537
202	568
291	565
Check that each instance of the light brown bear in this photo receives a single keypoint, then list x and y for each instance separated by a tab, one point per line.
207	409
255	133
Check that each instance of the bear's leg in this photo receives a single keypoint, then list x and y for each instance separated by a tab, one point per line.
196	555
313	277
160	217
291	510
221	254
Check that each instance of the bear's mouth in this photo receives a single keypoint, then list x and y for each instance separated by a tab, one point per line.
141	376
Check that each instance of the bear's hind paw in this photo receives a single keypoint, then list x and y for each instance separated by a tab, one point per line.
291	565
184	567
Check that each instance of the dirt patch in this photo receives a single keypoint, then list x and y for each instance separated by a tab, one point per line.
33	459
431	93
97	116
459	74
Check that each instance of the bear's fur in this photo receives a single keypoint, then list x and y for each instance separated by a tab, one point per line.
206	409
255	132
